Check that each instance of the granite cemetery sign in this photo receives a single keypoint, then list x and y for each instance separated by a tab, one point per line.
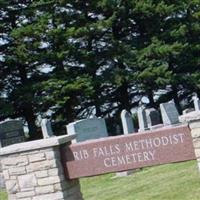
11	132
127	152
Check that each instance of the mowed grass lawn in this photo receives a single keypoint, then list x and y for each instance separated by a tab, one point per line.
179	181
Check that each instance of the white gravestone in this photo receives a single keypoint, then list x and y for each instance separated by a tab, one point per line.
127	122
142	119
46	128
153	117
87	129
169	113
196	103
11	132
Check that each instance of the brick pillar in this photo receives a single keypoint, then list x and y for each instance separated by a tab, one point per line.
193	120
33	171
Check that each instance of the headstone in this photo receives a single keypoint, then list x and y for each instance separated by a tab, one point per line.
142	119
11	132
88	129
196	103
118	129
153	117
169	113
46	128
127	122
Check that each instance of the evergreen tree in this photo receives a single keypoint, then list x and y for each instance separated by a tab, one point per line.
71	59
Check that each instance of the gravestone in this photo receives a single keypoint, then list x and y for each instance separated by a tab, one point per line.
118	129
153	117
127	122
142	119
11	132
46	128
169	113
196	103
87	129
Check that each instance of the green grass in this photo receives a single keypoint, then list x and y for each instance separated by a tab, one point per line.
3	195
167	182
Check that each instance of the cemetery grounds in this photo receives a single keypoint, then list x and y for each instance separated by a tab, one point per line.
167	182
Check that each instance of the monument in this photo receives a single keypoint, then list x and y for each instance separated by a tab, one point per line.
153	117
88	129
142	119
169	113
11	132
196	103
127	122
128	128
46	128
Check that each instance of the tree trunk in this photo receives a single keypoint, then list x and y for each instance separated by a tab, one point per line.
176	99
27	107
69	111
31	118
124	96
151	99
97	102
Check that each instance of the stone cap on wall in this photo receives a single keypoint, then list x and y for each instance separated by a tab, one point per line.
36	144
190	117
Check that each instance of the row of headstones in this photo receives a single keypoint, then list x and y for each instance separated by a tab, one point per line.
95	128
150	118
12	131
